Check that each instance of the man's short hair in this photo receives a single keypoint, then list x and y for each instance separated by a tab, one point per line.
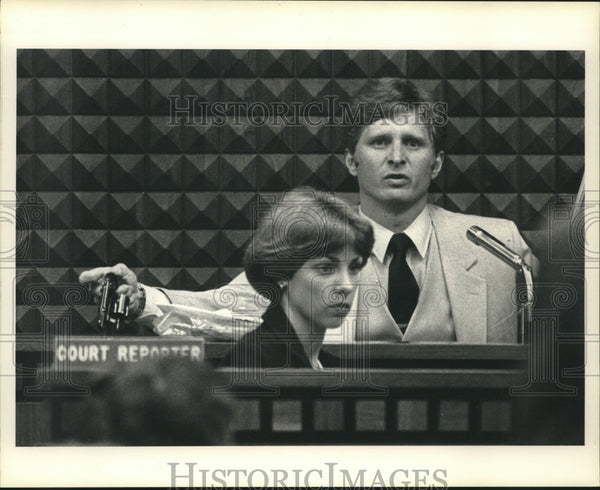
387	98
306	224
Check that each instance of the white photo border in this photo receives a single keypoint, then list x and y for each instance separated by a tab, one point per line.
297	25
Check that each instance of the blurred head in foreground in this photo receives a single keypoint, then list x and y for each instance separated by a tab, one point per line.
169	402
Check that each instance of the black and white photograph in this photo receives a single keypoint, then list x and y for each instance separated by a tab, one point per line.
245	260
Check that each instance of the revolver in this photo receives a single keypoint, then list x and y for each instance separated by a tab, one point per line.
113	308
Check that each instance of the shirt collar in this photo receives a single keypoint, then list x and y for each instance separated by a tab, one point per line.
419	232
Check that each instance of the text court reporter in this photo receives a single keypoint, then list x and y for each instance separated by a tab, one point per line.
440	287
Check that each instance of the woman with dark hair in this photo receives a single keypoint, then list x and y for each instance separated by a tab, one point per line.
306	258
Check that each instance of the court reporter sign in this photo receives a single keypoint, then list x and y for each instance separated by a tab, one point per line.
98	351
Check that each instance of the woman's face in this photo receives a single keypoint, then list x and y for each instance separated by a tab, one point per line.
322	290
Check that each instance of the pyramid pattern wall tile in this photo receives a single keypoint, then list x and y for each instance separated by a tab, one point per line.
120	151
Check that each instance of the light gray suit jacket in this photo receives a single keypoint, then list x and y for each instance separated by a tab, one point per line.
480	286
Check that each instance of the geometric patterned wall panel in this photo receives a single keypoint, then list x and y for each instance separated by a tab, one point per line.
118	183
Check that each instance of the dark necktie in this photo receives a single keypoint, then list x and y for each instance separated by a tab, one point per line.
403	290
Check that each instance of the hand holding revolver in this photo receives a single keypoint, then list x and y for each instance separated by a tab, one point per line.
117	291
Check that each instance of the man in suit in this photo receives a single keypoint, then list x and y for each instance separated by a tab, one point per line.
430	281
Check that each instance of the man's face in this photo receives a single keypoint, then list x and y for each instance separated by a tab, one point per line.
394	162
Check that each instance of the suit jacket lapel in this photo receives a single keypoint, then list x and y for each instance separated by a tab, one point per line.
466	290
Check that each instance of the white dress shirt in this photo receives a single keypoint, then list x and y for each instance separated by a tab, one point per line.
419	231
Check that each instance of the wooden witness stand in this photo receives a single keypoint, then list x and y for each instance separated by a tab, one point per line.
383	394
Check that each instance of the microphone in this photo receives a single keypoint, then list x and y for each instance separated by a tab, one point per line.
482	238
